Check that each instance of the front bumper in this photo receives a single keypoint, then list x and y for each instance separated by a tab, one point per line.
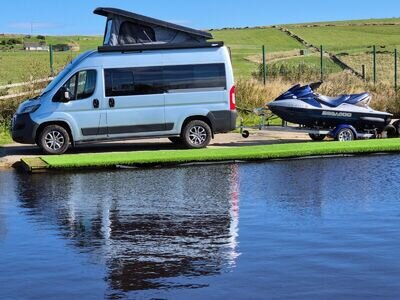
24	129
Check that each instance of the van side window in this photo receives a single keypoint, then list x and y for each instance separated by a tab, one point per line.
133	81
157	80
81	85
194	77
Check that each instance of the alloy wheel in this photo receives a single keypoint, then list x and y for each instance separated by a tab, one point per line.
197	135
346	135
54	140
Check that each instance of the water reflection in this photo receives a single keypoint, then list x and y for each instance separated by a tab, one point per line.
151	229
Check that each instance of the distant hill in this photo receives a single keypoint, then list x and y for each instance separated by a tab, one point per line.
352	40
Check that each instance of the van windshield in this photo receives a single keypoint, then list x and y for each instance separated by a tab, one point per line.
57	79
65	72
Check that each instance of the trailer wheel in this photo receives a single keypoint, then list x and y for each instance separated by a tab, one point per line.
245	134
345	135
317	137
391	132
397	126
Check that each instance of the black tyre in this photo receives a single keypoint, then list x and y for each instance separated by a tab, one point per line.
176	140
54	140
246	134
317	137
196	135
391	132
345	135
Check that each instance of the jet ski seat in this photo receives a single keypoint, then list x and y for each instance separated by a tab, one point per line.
333	101
354	99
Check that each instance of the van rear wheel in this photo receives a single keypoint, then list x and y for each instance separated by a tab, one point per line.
196	135
54	140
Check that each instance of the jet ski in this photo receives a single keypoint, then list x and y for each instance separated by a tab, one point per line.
304	106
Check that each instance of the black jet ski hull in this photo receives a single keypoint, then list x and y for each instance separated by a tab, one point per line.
331	118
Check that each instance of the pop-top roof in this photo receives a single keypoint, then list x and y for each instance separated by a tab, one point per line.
127	28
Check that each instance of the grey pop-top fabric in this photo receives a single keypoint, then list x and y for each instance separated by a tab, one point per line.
125	28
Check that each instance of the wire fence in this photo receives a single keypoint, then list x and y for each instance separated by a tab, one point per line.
376	65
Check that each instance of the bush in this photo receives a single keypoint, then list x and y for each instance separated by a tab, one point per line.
41	37
13	41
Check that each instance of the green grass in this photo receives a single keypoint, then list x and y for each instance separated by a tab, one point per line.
351	39
279	151
344	22
248	42
5	138
17	65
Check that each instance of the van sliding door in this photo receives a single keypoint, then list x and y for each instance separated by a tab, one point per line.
135	99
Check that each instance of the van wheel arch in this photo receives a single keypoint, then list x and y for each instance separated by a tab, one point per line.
59	123
198	118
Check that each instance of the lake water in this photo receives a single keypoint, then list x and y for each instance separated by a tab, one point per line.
310	229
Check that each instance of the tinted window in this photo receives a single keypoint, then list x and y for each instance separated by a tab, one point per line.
156	80
81	85
135	81
194	77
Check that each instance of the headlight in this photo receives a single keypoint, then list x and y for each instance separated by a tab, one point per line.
30	109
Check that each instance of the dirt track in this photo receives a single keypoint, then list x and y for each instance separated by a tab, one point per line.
11	154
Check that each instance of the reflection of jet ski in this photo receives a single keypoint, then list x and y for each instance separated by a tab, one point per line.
302	105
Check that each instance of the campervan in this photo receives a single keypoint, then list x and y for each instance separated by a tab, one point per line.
149	79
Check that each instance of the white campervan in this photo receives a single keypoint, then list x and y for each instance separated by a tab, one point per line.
156	88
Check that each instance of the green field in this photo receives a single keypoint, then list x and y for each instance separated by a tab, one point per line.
351	39
245	43
17	65
351	22
265	152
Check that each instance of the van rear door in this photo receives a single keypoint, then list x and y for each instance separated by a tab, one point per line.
135	99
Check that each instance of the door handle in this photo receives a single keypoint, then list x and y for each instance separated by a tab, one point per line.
111	102
96	103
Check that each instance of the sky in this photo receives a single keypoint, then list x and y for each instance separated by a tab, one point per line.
55	17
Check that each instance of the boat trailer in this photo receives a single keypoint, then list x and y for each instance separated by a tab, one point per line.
344	132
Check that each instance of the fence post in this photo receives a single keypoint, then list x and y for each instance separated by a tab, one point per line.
264	65
395	70
51	60
374	51
322	62
363	72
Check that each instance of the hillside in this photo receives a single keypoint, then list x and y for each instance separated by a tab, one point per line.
352	40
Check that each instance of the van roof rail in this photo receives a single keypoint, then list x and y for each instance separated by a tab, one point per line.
147	47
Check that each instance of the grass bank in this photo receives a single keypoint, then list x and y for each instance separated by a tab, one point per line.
251	153
5	137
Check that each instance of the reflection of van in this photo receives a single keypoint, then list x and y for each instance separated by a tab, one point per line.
183	93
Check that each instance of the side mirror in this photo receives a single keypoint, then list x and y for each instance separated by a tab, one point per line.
66	97
62	95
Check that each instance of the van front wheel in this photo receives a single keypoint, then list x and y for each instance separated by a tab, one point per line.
197	134
54	140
